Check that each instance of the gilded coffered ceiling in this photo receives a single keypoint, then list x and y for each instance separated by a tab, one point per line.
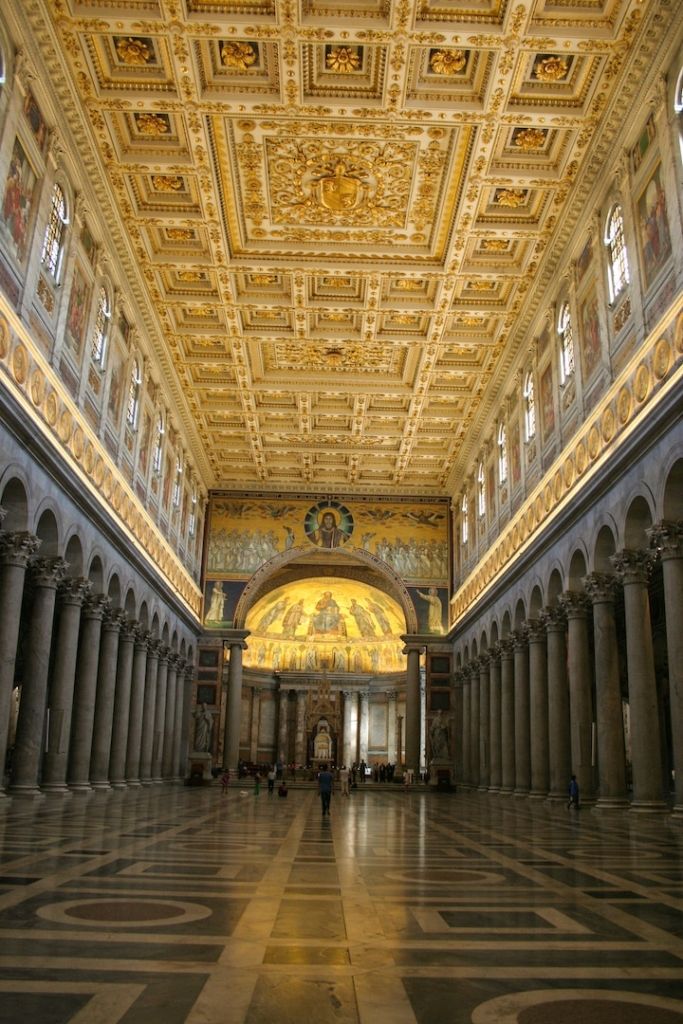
341	216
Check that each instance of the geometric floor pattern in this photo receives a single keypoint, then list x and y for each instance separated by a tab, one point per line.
186	906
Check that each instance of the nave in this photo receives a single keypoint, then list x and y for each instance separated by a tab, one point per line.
186	906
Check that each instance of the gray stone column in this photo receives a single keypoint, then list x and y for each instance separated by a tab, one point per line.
413	724
15	551
137	696
576	607
149	711
466	725
364	725
559	752
179	755
72	593
484	721
28	747
349	729
538	706
632	569
456	705
300	751
233	714
283	726
507	715
160	714
104	701
609	716
475	722
187	683
667	539
255	723
522	714
85	689
167	766
392	715
121	711
495	761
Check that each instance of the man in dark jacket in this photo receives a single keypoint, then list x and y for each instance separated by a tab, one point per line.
325	787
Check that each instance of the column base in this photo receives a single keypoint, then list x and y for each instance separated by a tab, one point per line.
649	807
493	789
100	785
611	803
506	791
521	792
538	794
677	813
133	783
118	784
25	791
80	788
557	797
56	789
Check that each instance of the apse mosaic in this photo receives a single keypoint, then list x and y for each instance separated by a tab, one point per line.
320	623
411	538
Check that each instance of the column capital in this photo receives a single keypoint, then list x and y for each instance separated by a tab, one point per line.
142	636
495	652
164	653
507	648
632	566
114	619
601	587
666	538
48	572
74	590
536	631
17	548
364	694
520	637
128	628
392	694
189	672
575	604
459	676
483	661
554	619
95	606
153	647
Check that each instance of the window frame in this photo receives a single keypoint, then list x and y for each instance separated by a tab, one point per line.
133	405
158	451
618	270
502	454
54	239
529	395
101	328
565	331
464	520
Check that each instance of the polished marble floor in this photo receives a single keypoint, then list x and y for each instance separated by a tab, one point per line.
187	906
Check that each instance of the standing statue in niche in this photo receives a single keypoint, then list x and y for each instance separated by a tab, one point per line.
434	611
438	737
203	726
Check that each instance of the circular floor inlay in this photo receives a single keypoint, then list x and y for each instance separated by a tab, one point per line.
587	1006
123	913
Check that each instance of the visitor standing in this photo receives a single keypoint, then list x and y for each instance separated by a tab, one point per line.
325	788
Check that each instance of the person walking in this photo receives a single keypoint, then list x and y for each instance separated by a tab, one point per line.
325	788
272	775
343	781
573	793
257	784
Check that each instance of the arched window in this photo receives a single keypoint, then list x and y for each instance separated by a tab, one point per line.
192	528
158	445
618	258
564	329
481	490
53	243
502	454
464	520
529	407
177	482
101	330
133	408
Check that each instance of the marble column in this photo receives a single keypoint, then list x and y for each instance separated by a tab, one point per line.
137	696
667	538
283	726
484	721
609	717
85	689
160	714
456	703
412	723
149	711
233	714
300	751
15	551
104	701
392	715
46	574
632	568
495	762
186	683
466	726
71	595
180	763
576	607
167	768
522	714
559	736
255	723
364	725
507	715
349	727
538	706
474	722
121	711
